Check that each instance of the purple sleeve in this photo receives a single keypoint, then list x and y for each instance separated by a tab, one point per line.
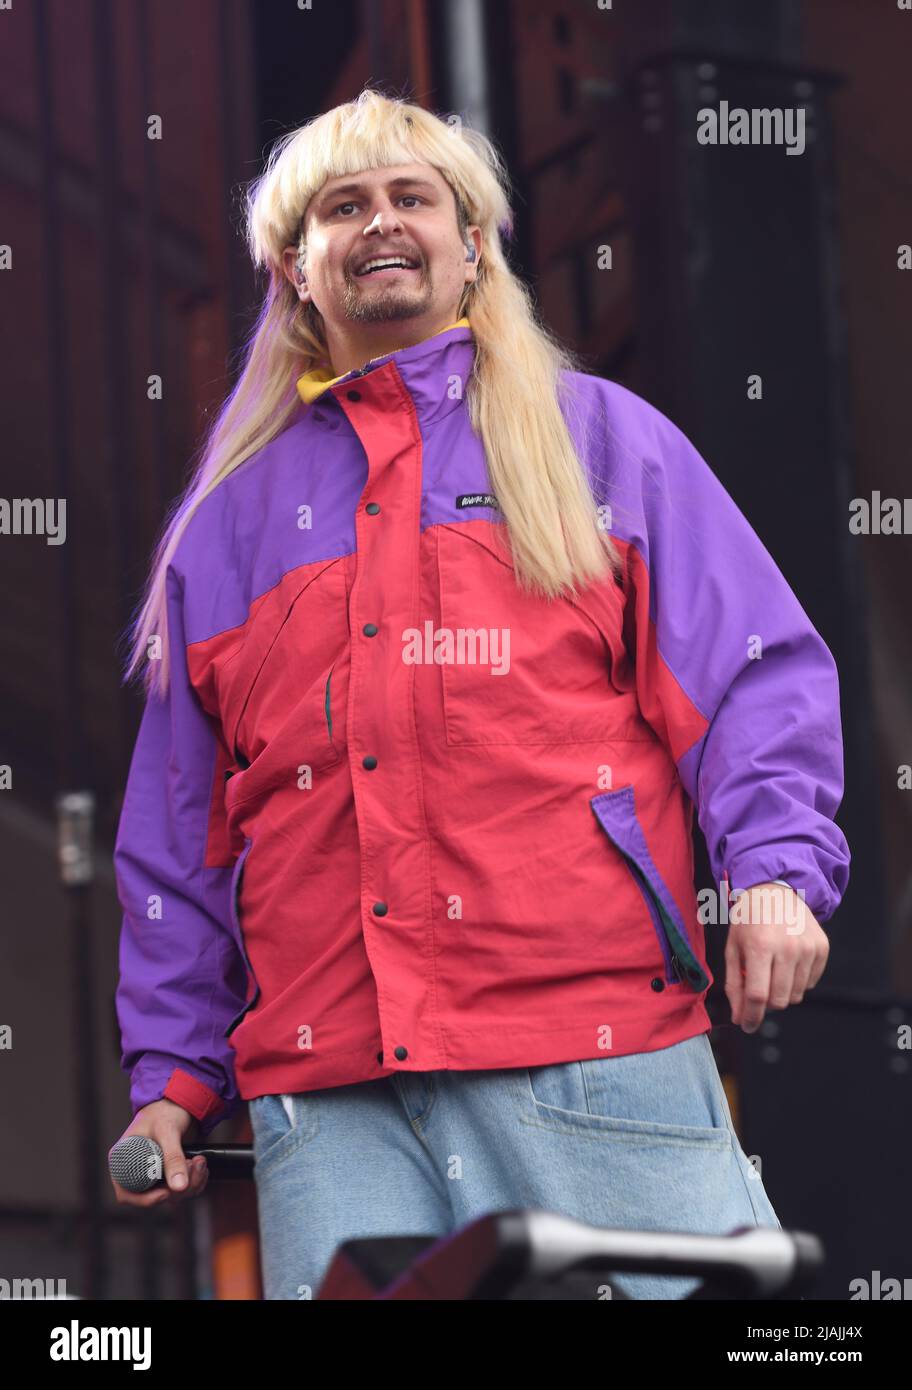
730	671
182	977
767	774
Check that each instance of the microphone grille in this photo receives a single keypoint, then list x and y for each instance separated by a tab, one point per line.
136	1162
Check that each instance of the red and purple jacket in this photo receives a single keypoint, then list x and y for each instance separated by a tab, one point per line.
396	814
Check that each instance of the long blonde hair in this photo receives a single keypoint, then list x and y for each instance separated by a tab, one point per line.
512	396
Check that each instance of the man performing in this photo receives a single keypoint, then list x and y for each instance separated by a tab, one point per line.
443	646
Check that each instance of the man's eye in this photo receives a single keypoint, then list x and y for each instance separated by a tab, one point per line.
413	197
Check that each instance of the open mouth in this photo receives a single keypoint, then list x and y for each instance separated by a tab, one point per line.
381	266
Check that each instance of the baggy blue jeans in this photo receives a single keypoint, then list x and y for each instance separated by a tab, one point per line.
642	1142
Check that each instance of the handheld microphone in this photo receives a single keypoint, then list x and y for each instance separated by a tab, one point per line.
137	1162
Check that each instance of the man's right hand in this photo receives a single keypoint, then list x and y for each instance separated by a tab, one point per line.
166	1122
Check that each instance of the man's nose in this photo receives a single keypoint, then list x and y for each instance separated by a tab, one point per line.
384	220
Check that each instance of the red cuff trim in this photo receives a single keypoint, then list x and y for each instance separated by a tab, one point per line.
193	1095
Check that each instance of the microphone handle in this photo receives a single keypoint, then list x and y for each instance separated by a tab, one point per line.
224	1160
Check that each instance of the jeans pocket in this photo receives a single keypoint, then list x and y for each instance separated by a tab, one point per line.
280	1129
624	1099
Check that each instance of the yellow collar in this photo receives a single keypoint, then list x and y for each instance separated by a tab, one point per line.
313	383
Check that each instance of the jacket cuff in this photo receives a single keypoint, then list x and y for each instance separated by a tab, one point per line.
773	880
201	1101
819	898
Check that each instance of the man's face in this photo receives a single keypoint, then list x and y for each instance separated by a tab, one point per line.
406	210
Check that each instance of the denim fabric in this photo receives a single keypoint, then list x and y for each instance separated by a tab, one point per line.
642	1142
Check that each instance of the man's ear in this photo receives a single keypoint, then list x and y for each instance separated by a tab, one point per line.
291	266
473	242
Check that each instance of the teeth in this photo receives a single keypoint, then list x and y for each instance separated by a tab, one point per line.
386	261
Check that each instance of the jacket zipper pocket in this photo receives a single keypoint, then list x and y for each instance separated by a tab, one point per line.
616	813
239	934
326	704
672	975
680	963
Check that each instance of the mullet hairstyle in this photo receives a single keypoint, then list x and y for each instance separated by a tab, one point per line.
513	391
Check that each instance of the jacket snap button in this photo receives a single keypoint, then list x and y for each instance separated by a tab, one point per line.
353	395
370	629
401	1053
372	508
370	762
657	984
380	909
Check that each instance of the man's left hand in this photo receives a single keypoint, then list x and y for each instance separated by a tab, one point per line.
776	949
